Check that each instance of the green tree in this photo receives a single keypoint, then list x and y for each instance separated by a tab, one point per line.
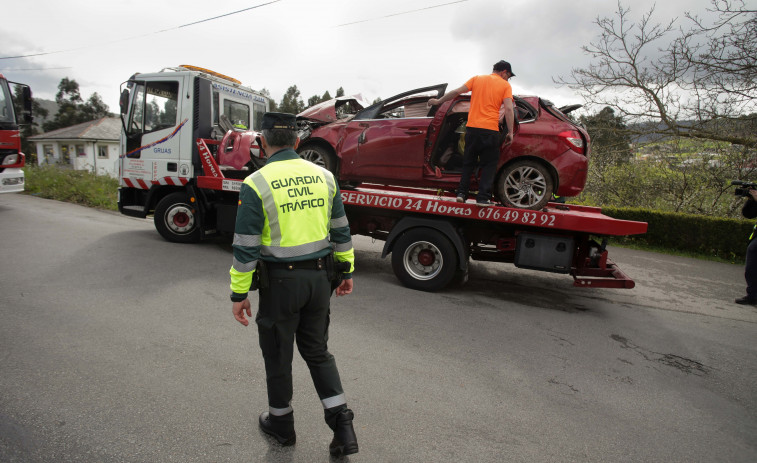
72	109
339	92
314	100
267	94
326	96
610	141
291	102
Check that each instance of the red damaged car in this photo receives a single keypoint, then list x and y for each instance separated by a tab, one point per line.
404	141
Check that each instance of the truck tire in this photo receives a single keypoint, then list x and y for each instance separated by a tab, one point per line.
525	184
424	259
319	156
176	219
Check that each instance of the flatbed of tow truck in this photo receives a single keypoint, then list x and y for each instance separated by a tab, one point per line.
431	237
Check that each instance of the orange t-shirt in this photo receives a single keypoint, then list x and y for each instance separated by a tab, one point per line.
488	92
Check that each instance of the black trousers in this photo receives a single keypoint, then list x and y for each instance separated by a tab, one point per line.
750	269
295	308
481	145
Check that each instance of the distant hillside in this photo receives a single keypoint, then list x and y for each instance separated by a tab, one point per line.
52	109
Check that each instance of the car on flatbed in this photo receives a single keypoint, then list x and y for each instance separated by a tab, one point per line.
404	141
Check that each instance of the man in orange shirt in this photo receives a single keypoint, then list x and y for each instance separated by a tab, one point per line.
488	94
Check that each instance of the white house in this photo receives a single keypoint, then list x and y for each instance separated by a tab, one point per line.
91	146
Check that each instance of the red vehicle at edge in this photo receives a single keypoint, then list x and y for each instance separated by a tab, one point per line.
403	141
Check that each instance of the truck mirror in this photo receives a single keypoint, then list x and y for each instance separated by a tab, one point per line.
124	101
26	93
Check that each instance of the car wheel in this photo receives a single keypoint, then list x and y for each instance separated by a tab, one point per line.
526	185
176	219
319	156
424	259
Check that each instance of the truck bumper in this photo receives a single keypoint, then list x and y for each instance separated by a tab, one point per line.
12	180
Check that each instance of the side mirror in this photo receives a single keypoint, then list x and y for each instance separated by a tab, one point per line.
27	97
124	101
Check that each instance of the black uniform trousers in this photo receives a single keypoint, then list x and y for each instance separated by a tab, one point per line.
750	269
295	307
481	145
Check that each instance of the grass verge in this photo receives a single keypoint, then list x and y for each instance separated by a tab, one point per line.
73	186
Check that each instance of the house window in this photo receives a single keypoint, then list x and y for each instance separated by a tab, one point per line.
102	152
80	150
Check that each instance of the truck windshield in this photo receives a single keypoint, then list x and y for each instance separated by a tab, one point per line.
154	107
7	116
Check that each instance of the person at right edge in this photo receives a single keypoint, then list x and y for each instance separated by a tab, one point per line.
482	142
750	268
292	241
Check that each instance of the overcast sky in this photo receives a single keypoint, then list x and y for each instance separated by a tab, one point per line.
376	48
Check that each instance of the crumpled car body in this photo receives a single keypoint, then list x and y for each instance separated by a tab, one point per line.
404	141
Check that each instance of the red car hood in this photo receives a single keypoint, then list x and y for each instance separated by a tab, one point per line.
327	111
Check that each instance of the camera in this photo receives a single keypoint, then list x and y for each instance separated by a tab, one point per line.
745	187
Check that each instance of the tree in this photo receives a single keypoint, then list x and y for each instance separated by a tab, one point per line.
339	92
610	141
695	81
326	96
72	109
267	94
314	100
291	102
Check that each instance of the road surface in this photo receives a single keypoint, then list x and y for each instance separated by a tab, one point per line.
117	346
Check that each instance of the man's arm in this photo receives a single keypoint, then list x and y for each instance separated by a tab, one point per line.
339	234
246	247
509	117
449	95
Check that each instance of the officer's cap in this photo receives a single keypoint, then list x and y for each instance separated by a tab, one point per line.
503	65
286	121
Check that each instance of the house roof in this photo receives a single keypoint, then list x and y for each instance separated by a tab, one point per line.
103	129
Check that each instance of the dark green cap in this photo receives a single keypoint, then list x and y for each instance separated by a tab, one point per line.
286	121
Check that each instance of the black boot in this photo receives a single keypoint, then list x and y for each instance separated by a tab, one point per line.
280	427
345	441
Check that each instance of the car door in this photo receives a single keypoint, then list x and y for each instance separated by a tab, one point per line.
386	141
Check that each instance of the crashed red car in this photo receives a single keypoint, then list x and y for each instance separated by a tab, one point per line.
403	141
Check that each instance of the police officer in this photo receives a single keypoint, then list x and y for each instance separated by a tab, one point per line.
749	211
290	229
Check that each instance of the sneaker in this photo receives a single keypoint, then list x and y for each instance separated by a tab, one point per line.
484	203
460	198
746	300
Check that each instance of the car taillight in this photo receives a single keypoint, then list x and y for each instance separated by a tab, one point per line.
10	160
573	140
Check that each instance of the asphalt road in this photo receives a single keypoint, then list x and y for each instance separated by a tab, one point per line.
116	346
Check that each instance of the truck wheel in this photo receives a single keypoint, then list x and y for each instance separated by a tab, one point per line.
176	219
424	259
526	185
319	156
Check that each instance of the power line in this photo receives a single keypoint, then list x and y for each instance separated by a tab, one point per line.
33	69
399	14
143	35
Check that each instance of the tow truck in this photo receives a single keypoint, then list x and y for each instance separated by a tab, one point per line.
188	142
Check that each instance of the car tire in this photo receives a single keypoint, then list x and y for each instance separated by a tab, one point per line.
525	184
319	156
176	219
424	259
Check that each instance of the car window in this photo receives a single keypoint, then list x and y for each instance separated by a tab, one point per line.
524	112
411	106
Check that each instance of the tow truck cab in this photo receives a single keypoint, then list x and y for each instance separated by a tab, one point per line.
163	114
11	158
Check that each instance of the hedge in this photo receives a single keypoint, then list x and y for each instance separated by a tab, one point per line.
711	236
